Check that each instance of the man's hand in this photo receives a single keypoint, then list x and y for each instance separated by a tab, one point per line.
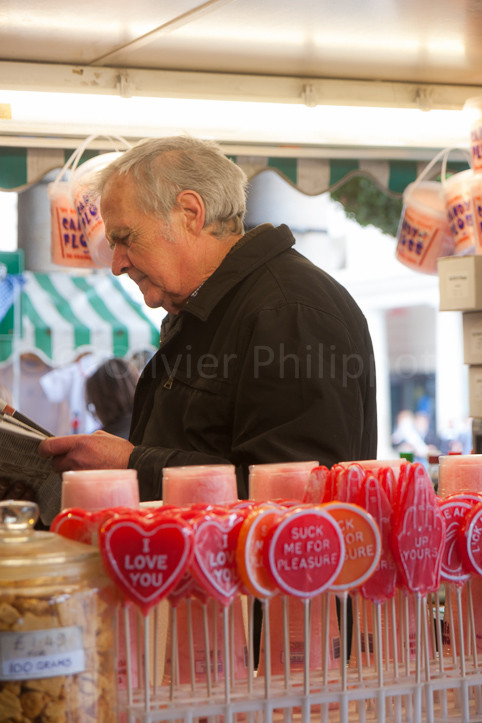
99	450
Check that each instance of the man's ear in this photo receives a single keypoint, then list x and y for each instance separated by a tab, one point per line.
191	207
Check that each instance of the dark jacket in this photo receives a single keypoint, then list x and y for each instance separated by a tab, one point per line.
269	361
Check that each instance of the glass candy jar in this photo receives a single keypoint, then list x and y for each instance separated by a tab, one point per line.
57	634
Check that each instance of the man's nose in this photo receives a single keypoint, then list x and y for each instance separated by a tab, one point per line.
120	262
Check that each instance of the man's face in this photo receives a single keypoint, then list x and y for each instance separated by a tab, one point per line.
155	254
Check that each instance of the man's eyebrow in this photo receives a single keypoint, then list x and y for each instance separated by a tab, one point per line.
119	234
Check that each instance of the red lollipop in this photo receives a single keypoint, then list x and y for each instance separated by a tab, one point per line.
470	539
146	556
418	534
76	524
304	551
214	561
362	544
250	550
315	487
81	525
388	482
454	510
348	483
381	585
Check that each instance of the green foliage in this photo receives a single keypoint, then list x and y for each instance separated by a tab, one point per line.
365	203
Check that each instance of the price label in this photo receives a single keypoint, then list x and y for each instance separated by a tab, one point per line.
41	653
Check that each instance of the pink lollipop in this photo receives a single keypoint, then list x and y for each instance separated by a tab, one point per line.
214	562
382	583
418	535
315	487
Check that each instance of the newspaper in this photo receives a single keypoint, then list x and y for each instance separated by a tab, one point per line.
19	460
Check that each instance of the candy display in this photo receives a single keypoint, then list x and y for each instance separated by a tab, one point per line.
376	534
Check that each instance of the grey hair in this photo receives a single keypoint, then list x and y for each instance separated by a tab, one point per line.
164	167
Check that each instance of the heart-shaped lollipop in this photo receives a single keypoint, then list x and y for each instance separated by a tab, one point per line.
214	561
146	556
76	524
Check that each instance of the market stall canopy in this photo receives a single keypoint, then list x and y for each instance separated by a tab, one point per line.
20	168
61	316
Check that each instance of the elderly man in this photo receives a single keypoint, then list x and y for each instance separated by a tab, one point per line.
263	356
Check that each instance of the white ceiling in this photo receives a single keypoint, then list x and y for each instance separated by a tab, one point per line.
409	53
429	41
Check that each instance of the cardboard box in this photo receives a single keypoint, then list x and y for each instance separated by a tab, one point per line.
460	283
472	331
475	390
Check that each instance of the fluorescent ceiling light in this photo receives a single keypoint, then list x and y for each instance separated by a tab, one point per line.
232	121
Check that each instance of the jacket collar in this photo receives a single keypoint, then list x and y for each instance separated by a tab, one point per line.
252	251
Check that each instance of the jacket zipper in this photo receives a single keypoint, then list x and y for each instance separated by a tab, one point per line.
169	383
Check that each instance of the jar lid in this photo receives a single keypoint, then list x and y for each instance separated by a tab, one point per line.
26	552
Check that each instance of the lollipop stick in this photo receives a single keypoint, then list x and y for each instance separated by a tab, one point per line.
393	612
326	642
429	697
127	639
286	640
156	648
418	676
407	635
432	628
393	626
470	602
378	633
267	649
226	652
386	635
357	631
173	649
464	687
139	646
146	665
250	643
207	649
449	608
326	636
190	643
426	644
460	620
438	621
214	608
358	646
231	643
366	636
307	637
343	661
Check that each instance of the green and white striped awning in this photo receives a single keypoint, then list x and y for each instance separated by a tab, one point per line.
60	316
20	168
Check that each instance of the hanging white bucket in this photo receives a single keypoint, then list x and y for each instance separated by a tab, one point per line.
423	232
